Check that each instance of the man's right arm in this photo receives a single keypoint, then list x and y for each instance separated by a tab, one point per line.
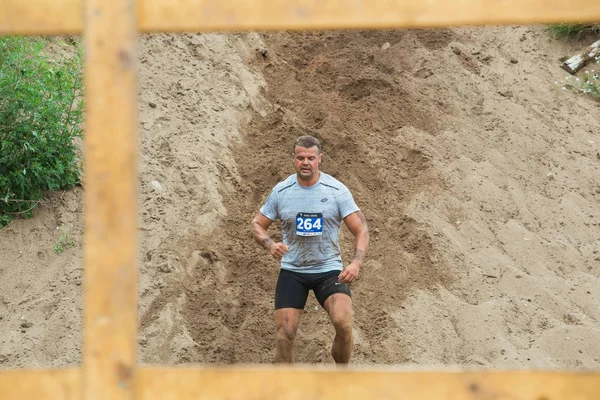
259	227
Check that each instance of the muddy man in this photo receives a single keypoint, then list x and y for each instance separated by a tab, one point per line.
311	206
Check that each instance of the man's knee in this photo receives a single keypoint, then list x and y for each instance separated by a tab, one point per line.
286	333
343	322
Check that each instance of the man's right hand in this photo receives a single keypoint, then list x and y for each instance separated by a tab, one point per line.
277	250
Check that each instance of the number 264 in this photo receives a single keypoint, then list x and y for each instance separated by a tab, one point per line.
307	224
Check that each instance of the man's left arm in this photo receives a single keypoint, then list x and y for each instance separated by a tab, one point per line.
357	224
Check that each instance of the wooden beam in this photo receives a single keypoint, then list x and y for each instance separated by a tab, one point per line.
41	16
65	16
60	384
317	383
110	295
208	15
322	384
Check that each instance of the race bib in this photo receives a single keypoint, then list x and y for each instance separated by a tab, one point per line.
309	224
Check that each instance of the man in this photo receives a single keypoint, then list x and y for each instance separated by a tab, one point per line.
311	206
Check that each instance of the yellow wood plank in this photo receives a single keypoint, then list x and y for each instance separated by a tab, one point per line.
321	384
59	384
41	16
65	16
316	384
206	15
110	298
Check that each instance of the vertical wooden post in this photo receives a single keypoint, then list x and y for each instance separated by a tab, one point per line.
110	302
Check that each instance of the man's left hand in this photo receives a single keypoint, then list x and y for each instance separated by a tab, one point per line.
349	273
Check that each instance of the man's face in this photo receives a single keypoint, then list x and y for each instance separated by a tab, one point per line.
306	162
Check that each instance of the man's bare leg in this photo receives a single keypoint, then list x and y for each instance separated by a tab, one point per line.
339	307
286	323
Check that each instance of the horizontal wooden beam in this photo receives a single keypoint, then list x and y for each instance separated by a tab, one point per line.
193	15
322	384
41	16
58	384
317	383
66	16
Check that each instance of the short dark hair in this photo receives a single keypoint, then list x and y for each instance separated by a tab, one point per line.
307	142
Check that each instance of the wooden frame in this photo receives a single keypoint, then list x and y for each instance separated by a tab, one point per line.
66	16
304	383
109	369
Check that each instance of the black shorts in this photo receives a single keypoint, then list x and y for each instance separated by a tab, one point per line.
292	288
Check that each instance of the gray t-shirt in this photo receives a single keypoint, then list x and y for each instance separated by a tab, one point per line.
310	221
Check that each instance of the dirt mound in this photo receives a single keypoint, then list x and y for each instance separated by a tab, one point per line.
400	115
475	172
382	172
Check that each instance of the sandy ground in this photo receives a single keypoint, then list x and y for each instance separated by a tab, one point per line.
477	175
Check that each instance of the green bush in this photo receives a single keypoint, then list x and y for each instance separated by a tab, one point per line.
564	31
41	111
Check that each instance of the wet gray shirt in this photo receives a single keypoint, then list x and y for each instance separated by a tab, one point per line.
310	220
